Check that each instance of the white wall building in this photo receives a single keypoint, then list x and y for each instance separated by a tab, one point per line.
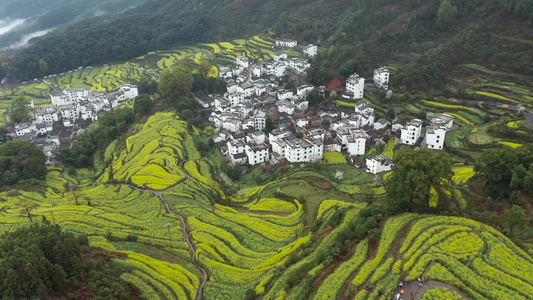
129	91
411	132
260	120
356	85
443	120
381	78
242	62
434	138
310	50
304	150
257	153
377	164
304	90
365	113
357	143
286	43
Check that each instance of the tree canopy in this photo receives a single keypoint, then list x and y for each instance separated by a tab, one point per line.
19	111
20	160
506	170
110	125
415	173
143	104
37	260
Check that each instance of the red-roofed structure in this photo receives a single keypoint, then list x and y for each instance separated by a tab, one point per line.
335	84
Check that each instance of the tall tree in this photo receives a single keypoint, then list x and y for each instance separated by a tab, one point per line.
4	135
43	66
446	14
414	174
20	160
19	110
143	104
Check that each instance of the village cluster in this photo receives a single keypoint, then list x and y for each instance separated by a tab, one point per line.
57	125
302	134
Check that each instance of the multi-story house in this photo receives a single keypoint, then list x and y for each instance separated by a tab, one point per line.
381	78
411	132
434	138
377	164
356	84
310	50
257	153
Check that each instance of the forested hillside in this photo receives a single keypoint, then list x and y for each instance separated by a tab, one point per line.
430	36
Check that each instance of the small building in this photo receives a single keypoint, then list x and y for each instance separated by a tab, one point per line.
434	138
443	120
377	164
357	143
310	50
411	132
257	153
381	78
286	43
355	84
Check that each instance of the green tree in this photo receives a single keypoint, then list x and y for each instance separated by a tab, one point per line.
514	218
43	66
143	104
269	124
415	173
19	111
4	135
177	82
446	14
20	160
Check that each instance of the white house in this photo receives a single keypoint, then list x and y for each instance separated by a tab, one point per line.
242	62
46	115
365	113
280	55
260	119
304	150
443	120
357	143
377	164
129	91
411	132
310	50
381	124
232	125
304	90
236	146
299	65
225	73
356	85
257	153
284	94
381	78
286	43
286	107
434	138
24	129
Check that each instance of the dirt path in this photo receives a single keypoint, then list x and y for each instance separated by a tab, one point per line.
412	290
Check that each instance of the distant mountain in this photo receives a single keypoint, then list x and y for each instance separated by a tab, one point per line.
24	20
430	37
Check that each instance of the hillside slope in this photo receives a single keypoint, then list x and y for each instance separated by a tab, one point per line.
298	235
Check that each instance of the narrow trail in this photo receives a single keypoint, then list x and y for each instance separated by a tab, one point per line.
186	234
185	229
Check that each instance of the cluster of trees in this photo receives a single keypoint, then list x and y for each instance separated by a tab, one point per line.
507	172
175	87
41	260
409	186
20	160
110	125
19	110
